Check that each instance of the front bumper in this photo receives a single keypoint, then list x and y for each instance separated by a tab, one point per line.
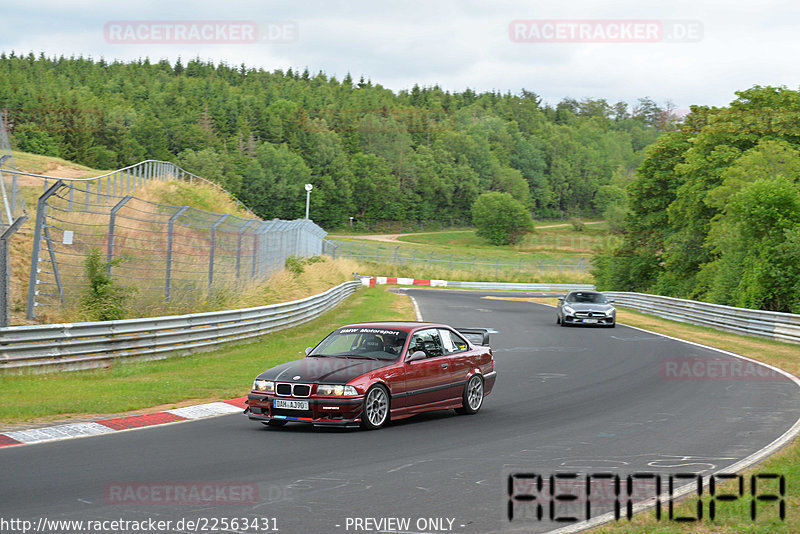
594	318
323	411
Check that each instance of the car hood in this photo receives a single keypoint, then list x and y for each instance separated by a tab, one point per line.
325	370
588	306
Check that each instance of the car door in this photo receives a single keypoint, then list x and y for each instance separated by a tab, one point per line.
458	356
426	380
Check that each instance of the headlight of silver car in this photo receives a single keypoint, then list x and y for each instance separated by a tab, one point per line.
569	309
267	386
337	390
610	312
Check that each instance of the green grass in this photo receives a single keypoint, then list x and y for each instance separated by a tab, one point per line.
222	374
38	164
548	245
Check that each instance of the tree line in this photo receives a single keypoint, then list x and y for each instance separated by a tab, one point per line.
714	211
418	155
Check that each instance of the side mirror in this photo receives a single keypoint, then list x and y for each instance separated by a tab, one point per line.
610	300
308	350
419	355
560	299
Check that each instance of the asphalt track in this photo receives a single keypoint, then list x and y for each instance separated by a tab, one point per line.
585	400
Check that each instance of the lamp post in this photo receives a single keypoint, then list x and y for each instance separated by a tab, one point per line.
309	187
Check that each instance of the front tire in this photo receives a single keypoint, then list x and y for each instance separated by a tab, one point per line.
376	408
274	423
473	396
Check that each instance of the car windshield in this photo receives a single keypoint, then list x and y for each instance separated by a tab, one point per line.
588	298
359	342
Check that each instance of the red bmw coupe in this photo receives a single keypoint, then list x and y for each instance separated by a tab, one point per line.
366	374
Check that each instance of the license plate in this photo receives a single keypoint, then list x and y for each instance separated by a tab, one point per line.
290	404
590	321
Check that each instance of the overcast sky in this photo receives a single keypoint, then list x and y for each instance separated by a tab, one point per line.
456	43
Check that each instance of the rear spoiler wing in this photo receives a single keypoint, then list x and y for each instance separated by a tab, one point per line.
476	336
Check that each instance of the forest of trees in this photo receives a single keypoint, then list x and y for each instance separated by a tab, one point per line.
715	208
422	155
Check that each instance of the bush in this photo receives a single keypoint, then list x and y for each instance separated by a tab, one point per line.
296	264
500	218
104	300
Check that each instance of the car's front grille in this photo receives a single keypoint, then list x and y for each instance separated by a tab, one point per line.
301	390
293	390
589	314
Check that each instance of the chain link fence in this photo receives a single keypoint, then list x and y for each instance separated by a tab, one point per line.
173	254
397	255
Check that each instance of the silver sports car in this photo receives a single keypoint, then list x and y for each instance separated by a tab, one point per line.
586	307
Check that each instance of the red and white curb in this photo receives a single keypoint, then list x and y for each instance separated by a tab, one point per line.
128	422
391	280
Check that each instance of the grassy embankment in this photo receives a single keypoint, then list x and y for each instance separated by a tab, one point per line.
196	195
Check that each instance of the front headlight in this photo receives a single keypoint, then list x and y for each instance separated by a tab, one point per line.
569	309
610	312
267	386
337	390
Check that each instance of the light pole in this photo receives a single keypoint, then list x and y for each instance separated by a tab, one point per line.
309	187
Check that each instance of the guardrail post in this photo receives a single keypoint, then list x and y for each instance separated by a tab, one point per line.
41	211
211	252
112	219
5	270
395	254
170	239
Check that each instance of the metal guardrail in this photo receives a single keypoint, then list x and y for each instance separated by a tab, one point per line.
512	286
767	324
90	345
501	286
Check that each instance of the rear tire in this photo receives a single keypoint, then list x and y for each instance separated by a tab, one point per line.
473	396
